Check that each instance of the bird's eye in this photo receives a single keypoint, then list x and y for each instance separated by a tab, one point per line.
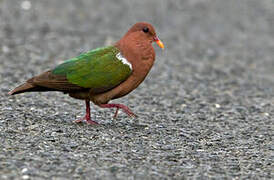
146	30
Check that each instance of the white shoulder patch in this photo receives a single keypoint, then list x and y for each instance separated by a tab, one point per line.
123	60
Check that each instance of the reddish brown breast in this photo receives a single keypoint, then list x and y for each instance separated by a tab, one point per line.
140	53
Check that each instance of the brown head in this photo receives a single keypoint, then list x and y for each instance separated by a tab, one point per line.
145	31
141	33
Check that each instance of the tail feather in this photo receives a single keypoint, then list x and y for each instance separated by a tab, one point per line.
28	87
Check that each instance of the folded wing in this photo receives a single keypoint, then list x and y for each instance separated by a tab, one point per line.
98	70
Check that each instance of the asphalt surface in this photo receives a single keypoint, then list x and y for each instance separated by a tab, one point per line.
205	110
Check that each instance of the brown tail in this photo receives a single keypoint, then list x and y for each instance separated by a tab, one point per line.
28	87
22	88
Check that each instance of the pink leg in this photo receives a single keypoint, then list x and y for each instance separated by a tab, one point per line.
119	106
87	116
116	113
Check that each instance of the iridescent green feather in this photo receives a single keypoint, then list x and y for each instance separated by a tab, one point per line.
98	69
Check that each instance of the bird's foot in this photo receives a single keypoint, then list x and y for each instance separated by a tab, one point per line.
119	106
87	120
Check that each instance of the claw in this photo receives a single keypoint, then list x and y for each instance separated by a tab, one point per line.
92	122
86	118
119	106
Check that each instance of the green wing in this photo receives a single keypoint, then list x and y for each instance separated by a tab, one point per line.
98	69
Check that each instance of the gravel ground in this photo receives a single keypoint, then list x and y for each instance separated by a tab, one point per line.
205	110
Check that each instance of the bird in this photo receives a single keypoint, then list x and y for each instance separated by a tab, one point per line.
102	74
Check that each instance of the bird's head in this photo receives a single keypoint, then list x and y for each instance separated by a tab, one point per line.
145	31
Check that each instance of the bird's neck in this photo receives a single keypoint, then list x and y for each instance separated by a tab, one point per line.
140	54
134	48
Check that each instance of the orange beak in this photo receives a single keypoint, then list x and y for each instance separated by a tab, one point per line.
159	42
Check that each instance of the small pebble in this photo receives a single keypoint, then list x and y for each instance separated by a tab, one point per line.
217	106
25	177
5	49
183	105
26	5
24	170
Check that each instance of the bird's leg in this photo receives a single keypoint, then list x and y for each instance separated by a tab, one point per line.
87	116
119	106
116	113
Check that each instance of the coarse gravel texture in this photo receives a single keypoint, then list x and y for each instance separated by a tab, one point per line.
205	111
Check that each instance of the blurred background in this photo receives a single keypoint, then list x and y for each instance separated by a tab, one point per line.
205	110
